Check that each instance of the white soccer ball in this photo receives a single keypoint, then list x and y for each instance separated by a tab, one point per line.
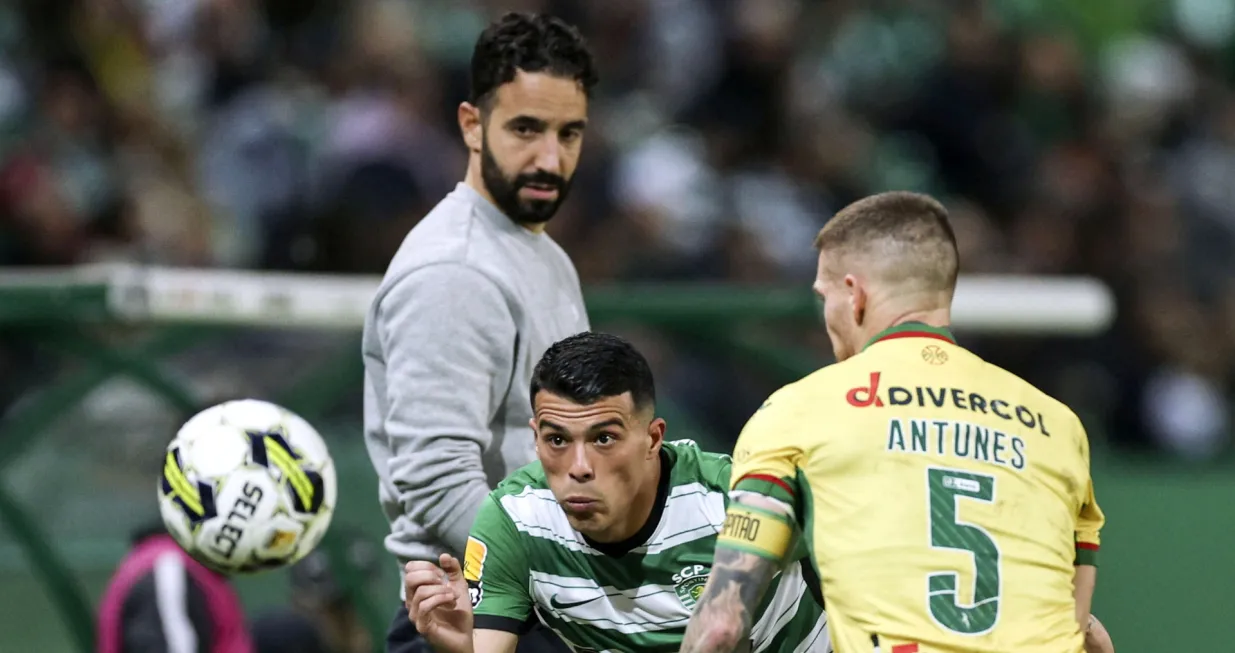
247	486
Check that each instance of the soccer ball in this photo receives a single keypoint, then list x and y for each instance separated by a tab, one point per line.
247	486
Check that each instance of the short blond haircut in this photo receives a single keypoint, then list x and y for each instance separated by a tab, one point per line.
904	237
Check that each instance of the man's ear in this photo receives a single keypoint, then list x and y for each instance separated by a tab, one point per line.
857	298
656	431
471	124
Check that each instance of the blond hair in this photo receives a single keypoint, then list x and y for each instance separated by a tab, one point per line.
904	237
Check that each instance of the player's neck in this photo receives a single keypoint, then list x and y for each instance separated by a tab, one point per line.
476	180
644	501
939	318
642	505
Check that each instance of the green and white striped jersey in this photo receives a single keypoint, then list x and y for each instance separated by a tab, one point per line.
524	559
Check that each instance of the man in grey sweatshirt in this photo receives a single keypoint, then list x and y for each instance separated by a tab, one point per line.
475	295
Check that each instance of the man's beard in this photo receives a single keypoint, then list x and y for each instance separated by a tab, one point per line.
505	192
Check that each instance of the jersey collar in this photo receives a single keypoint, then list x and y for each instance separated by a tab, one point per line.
912	330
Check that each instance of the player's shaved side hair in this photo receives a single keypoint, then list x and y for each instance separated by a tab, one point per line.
904	238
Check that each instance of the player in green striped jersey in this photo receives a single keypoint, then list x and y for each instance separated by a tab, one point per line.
608	540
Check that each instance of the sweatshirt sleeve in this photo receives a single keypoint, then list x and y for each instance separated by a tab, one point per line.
449	341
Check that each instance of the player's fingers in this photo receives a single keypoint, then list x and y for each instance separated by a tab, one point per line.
414	579
450	565
425	609
430	617
424	593
418	570
419	565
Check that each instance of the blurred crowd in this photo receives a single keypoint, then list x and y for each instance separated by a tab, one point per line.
1066	138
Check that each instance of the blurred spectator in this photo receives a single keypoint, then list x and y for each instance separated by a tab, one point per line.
160	599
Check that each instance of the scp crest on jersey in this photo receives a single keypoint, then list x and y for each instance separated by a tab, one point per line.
688	584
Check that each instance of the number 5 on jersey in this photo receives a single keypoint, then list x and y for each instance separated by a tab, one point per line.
945	490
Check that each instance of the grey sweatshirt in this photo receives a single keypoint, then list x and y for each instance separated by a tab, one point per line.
467	307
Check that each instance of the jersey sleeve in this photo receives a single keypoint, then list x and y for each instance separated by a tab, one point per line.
765	463
1089	519
766	458
1088	528
496	569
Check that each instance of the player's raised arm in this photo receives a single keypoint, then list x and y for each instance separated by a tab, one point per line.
757	537
750	550
486	606
439	604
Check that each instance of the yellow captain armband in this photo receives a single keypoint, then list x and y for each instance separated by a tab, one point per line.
754	530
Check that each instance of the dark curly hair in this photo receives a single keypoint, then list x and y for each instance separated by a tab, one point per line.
591	366
532	43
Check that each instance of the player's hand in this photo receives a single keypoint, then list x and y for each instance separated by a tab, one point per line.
1097	640
439	605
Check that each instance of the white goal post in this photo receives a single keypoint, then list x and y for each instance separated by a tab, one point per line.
986	303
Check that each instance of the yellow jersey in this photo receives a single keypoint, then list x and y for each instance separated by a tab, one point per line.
945	501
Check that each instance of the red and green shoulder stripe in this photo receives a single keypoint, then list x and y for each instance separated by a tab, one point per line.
779	488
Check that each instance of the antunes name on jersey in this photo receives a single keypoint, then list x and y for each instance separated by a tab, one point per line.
1004	446
957	439
525	560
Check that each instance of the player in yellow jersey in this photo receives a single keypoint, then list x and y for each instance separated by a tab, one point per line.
947	503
